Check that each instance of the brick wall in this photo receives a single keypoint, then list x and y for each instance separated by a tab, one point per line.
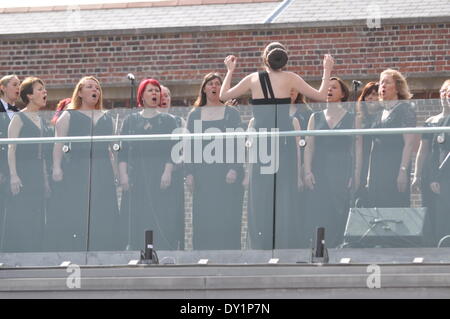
183	58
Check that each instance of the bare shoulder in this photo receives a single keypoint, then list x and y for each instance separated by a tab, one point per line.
64	115
434	118
252	76
291	75
63	120
16	120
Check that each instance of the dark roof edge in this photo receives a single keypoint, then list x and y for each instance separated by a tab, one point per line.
243	27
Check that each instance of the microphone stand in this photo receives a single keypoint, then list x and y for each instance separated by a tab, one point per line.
356	85
353	191
132	87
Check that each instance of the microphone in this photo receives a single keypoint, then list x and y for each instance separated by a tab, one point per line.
131	77
356	83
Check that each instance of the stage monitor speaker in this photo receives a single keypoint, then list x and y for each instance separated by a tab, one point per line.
386	227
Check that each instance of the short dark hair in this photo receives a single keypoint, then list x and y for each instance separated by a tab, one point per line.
367	90
26	88
344	88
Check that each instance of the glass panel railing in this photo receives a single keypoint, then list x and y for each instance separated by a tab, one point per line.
358	187
151	184
214	170
70	178
25	188
269	164
266	190
45	209
104	233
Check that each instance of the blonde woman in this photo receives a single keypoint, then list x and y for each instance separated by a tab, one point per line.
390	162
85	207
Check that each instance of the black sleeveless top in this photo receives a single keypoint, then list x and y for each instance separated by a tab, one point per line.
265	116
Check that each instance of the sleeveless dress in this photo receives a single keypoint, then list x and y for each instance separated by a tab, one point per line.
440	172
25	212
300	202
145	206
429	199
328	203
217	205
273	181
84	212
176	189
361	193
386	157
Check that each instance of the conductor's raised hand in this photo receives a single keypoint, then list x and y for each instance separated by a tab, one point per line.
230	62
328	62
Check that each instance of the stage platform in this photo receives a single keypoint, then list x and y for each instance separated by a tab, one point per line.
370	273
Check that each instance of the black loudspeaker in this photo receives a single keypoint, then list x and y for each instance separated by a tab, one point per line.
320	242
148	255
148	250
319	253
386	227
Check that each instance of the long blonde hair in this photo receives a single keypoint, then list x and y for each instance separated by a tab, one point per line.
76	100
445	85
400	83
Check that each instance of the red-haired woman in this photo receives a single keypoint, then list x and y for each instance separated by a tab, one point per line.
145	169
85	209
